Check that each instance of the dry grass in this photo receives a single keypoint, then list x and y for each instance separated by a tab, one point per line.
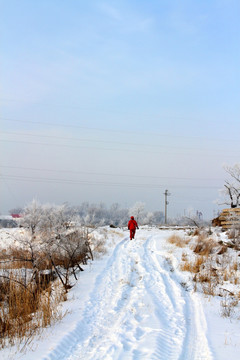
178	240
17	258
25	310
230	275
14	259
209	288
26	305
196	232
213	269
184	256
192	266
235	266
204	245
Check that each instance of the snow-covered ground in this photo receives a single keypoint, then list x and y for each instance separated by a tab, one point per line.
135	303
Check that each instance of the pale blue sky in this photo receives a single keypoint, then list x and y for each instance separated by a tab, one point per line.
110	95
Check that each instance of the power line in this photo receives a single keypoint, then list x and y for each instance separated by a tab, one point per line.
109	111
64	145
71	181
75	139
99	141
108	174
64	125
57	125
108	149
9	189
86	182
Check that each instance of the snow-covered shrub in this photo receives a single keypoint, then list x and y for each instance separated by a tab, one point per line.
98	243
52	234
228	305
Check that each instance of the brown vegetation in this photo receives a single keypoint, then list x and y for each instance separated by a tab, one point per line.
178	240
27	280
193	267
212	267
25	308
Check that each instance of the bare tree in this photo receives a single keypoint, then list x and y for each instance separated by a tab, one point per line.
231	191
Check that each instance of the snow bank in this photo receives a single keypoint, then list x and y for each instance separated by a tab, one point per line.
135	303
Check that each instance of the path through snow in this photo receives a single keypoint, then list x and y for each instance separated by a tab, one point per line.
138	309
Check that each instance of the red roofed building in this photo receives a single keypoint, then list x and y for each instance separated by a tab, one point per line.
16	216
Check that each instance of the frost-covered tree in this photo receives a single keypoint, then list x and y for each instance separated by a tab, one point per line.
32	216
95	214
137	210
100	215
16	210
52	235
148	218
117	215
231	190
158	217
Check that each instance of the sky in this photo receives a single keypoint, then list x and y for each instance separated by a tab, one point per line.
117	101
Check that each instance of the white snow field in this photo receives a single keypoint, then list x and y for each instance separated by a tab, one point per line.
135	304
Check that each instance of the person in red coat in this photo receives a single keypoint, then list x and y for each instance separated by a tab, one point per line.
132	226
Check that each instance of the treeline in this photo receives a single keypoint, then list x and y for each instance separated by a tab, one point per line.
92	214
100	214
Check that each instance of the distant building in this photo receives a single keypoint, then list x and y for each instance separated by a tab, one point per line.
6	221
16	216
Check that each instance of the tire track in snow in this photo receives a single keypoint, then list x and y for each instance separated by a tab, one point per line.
108	309
185	336
137	310
119	331
84	328
168	342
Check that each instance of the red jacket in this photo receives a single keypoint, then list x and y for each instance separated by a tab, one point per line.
132	224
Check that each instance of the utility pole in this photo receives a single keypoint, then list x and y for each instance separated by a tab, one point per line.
166	204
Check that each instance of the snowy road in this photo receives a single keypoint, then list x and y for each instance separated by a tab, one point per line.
138	309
